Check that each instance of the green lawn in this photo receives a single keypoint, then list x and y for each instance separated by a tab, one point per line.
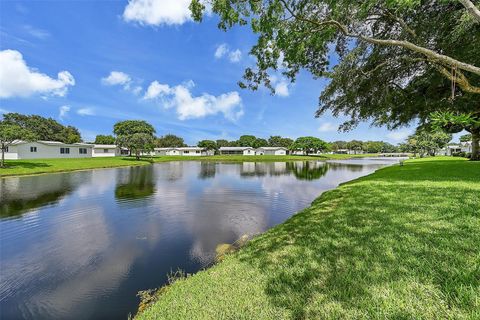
37	166
402	243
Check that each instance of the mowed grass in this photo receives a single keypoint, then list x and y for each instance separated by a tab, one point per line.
38	166
402	243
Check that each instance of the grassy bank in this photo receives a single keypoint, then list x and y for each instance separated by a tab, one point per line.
37	166
402	243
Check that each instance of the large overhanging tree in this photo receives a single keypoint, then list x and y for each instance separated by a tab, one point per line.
398	60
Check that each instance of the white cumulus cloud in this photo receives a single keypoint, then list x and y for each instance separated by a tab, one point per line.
116	78
327	127
223	50
86	112
235	55
188	106
63	111
281	89
19	80
157	12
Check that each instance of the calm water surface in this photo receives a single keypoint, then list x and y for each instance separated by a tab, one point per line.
81	245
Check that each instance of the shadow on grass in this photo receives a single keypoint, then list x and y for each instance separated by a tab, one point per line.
142	159
365	251
25	165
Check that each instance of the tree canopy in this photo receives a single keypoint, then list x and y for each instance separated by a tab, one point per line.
426	142
395	61
104	139
170	141
129	127
208	144
310	145
135	135
278	141
44	128
10	132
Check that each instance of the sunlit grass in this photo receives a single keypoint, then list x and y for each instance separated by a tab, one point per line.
403	243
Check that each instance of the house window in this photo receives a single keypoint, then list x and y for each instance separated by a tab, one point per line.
64	150
33	149
82	150
105	150
186	151
6	149
197	151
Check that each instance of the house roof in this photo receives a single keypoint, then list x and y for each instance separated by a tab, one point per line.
180	149
52	143
273	148
234	148
105	146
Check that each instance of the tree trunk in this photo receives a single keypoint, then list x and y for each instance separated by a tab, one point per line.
3	157
475	146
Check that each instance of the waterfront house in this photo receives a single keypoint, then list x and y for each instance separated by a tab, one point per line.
182	151
246	151
47	149
277	151
106	150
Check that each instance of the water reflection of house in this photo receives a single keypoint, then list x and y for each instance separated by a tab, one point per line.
279	167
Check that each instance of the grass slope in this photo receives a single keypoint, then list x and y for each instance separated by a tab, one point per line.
402	243
38	166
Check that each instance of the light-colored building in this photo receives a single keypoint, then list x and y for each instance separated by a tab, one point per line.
105	150
246	151
47	149
455	148
277	151
182	151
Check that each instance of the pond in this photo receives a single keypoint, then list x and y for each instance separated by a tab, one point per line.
80	245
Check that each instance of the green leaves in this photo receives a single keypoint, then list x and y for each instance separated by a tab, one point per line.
453	123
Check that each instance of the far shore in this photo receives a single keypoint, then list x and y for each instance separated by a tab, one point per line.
44	166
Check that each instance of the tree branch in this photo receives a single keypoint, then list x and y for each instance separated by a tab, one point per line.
472	10
430	54
460	80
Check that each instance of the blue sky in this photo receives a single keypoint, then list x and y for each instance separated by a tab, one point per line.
91	64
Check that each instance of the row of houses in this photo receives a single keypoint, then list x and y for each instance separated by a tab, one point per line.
55	149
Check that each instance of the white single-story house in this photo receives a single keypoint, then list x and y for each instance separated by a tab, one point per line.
455	148
277	151
246	151
182	151
47	149
105	150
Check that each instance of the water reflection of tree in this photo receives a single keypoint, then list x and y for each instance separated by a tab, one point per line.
139	183
207	170
20	195
308	170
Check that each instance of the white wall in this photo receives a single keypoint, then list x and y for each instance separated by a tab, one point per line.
12	153
100	152
249	152
48	151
